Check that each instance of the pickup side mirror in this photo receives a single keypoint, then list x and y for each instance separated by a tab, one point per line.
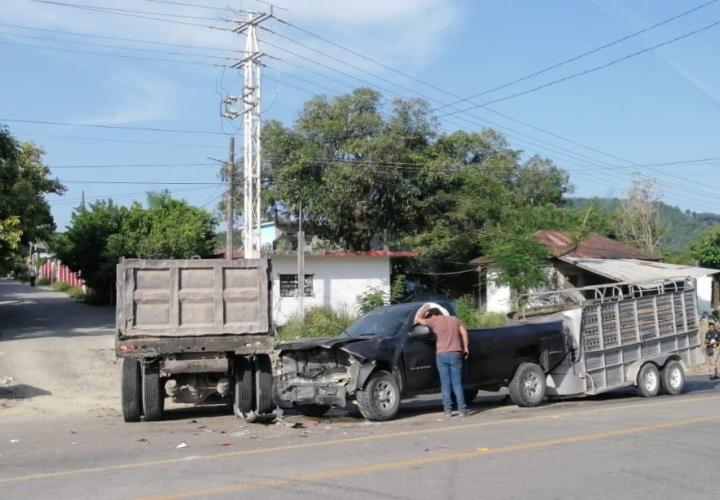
420	331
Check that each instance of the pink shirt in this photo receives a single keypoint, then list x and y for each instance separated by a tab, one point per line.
447	331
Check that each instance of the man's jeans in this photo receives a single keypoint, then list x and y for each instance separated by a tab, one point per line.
450	365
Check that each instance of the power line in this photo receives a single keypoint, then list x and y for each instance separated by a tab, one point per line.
123	141
199	6
117	127
136	165
148	183
587	71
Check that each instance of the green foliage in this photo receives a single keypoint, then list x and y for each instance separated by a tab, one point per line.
372	298
43	282
397	289
473	317
706	249
61	286
24	211
319	322
76	293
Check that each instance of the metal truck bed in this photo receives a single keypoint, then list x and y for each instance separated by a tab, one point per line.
195	297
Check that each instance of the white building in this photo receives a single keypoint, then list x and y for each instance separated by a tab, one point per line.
333	279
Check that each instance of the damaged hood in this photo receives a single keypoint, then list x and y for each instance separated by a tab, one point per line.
362	346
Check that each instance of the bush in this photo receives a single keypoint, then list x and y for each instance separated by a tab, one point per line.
473	317
319	322
43	281
372	298
76	293
60	286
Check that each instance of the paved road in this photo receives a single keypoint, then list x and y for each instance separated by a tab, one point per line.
616	446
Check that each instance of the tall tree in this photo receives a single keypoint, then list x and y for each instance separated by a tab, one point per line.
638	217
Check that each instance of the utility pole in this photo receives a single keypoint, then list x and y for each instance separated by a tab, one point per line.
301	265
82	200
251	65
229	209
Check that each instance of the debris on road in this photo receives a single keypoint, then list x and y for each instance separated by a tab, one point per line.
14	441
181	445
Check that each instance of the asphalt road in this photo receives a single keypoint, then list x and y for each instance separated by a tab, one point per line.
615	446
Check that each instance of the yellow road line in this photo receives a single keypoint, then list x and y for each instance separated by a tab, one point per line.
414	462
343	441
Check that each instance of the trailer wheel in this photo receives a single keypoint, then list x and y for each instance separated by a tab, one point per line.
380	399
672	378
263	385
244	387
312	410
153	396
131	390
527	387
648	381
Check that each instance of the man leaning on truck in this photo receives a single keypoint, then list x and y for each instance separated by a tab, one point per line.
451	348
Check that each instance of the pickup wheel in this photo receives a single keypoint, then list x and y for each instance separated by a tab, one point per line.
131	390
527	387
263	385
380	399
648	381
312	410
153	396
672	378
244	401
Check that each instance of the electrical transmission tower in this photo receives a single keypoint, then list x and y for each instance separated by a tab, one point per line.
248	106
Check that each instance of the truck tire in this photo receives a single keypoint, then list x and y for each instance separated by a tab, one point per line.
648	381
312	410
380	399
672	378
527	387
153	396
131	390
244	387
263	385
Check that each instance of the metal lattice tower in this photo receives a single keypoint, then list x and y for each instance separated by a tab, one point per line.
251	65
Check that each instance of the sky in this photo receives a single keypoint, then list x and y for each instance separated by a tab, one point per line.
650	115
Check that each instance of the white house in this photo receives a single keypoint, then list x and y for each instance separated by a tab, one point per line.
333	279
594	261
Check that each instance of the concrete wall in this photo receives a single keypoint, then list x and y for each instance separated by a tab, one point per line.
705	293
337	282
499	297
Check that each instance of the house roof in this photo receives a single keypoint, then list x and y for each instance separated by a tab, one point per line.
635	270
239	254
595	246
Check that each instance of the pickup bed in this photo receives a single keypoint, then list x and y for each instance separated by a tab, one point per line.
384	357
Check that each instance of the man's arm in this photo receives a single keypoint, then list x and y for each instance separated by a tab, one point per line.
465	341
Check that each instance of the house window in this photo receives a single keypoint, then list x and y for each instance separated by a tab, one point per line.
289	285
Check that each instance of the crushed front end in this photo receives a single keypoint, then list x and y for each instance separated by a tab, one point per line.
319	376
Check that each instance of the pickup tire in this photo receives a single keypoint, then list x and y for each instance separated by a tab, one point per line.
153	395
527	387
380	398
672	378
648	381
263	385
312	410
131	391
244	401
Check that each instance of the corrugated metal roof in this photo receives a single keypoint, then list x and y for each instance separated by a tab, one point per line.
594	246
635	270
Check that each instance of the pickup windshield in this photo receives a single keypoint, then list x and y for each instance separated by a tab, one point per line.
383	322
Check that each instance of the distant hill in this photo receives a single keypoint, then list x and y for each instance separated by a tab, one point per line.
683	225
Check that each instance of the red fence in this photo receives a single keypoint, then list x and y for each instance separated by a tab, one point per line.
55	271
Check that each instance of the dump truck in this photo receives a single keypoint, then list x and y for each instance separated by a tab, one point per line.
194	331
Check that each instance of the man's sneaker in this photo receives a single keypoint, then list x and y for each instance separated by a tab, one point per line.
464	413
447	414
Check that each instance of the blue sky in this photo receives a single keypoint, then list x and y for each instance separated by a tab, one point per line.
661	106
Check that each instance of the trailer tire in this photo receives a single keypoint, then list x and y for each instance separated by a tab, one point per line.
527	387
648	381
153	396
312	410
379	400
244	401
263	385
131	390
672	378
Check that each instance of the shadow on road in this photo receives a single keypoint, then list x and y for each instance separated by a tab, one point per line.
22	391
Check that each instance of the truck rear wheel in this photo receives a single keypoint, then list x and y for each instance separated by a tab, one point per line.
131	390
263	385
527	387
380	399
244	387
648	381
153	395
672	378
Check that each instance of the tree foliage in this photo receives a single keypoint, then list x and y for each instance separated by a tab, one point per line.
638	217
706	249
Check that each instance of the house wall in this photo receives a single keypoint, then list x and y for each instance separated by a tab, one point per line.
499	297
704	286
337	282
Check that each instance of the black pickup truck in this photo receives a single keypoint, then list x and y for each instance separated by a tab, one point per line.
385	357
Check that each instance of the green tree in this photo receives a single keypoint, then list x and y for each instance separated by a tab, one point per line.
706	249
